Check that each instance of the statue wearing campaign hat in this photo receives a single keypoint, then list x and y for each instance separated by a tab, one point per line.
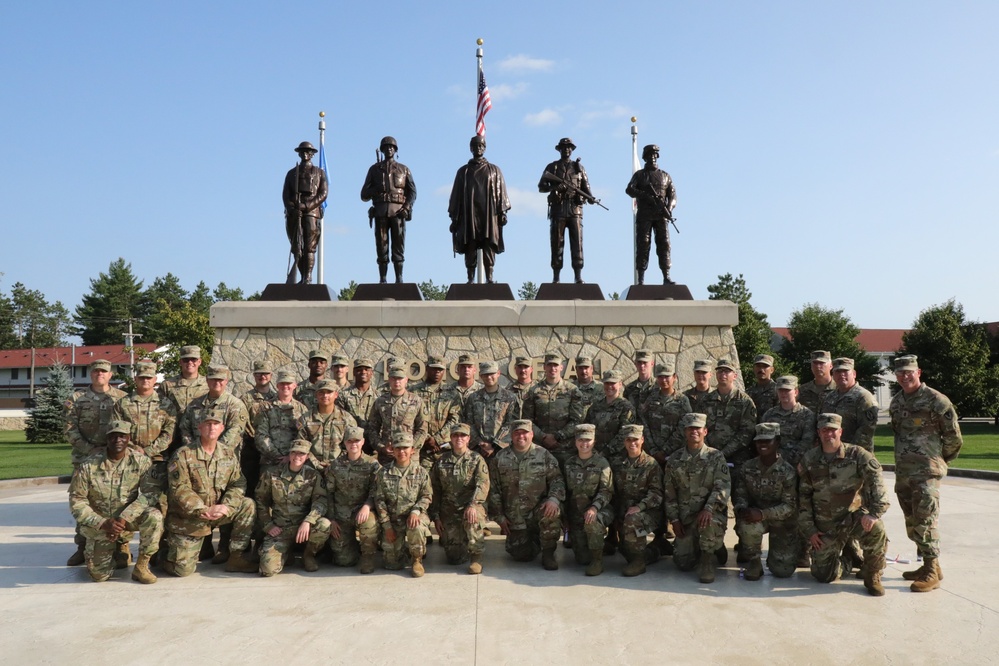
305	190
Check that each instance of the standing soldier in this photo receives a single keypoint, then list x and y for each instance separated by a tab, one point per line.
638	501
255	400
291	508
764	391
526	491
841	496
460	482
702	385
339	364
112	494
88	414
797	422
217	398
661	414
524	368
590	390
306	392
489	413
638	390
927	439
397	410
466	384
812	393
390	188
350	486
568	189
610	415
589	487
854	403
403	495
441	410
653	188
188	385
555	407
360	398
325	426
277	426
304	192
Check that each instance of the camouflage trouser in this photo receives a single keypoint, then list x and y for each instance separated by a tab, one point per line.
590	537
346	548
184	550
688	548
273	550
827	564
99	550
412	541
919	498
784	548
635	529
539	534
461	539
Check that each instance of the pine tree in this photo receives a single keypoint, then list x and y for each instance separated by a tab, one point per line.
114	298
47	419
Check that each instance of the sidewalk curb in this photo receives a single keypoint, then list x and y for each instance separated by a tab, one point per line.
960	473
13	484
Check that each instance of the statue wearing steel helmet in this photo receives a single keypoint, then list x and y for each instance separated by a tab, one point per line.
305	190
653	188
390	188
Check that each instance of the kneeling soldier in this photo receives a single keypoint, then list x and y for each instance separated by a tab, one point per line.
638	501
402	498
461	487
589	486
350	485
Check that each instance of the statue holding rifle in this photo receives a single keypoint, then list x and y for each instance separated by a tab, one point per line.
390	188
656	197
305	190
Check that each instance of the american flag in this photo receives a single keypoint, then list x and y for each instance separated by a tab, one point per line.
483	106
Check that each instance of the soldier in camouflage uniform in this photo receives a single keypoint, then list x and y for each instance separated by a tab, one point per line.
306	391
766	495
638	501
638	390
610	414
277	426
397	410
854	403
350	486
403	494
218	399
207	491
590	390
811	394
841	496
589	487
661	413
555	406
797	422
460	481
112	494
526	491
339	366
927	439
291	508
764	391
88	414
524	368
360	398
325	425
489	413
466	384
697	491
441	410
188	386
702	384
255	400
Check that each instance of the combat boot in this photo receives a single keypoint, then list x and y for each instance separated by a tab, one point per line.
916	573
397	265
122	556
548	560
706	568
239	564
754	570
555	275
382	273
141	572
666	279
306	270
596	566
475	566
489	275
222	552
579	275
721	555
418	569
367	563
309	562
635	565
77	558
207	549
930	578
873	566
641	277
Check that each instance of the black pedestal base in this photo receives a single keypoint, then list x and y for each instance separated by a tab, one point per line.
388	291
296	292
569	291
497	291
657	292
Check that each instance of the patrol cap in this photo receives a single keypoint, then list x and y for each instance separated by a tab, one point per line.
787	382
363	363
339	359
190	351
353	434
632	431
466	359
703	365
300	446
213	415
100	364
120	427
262	366
218	372
287	377
461	429
315	353
767	431
488	367
907	362
327	385
821	356
145	370
522	424
552	357
694	420
665	370
644	355
766	359
725	364
843	363
829	421
402	439
612	376
522	360
305	146
586	431
436	362
397	371
565	142
584	362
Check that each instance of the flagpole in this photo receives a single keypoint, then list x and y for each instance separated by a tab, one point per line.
480	270
321	255
634	202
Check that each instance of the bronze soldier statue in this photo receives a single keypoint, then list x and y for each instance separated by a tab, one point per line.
389	186
305	190
656	197
477	209
568	189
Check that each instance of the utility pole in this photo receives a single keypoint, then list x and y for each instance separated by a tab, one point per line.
129	343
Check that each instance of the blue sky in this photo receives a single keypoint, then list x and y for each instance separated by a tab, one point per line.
839	153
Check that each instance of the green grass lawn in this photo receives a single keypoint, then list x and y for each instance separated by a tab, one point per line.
20	460
980	450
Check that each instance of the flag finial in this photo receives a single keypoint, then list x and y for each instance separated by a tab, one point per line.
479	41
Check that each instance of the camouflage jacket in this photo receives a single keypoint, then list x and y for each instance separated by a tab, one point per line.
661	414
276	427
182	391
811	394
638	482
520	391
830	488
325	431
87	418
773	490
859	410
198	481
696	480
358	403
764	397
255	402
306	393
286	499
103	489
236	419
153	421
463	393
518	484
489	417
588	483
609	419
350	484
592	392
400	491
555	409
731	424
441	410
459	482
637	391
927	435
696	399
797	430
396	412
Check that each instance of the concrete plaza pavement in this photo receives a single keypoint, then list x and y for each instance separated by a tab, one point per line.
512	613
